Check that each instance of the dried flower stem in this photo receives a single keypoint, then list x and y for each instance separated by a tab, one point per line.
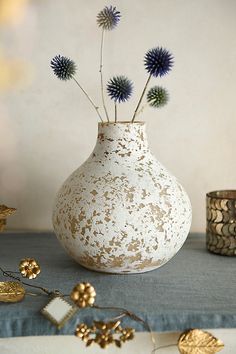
8	274
132	315
115	112
88	97
141	98
101	75
142	109
163	347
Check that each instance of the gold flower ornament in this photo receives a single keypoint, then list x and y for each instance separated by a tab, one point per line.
104	333
126	334
83	331
29	268
83	295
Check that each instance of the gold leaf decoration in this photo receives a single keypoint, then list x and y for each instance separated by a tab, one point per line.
102	326
11	291
196	341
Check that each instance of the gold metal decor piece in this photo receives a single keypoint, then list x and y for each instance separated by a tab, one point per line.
83	295
11	291
58	311
4	213
29	268
196	341
221	222
83	331
104	333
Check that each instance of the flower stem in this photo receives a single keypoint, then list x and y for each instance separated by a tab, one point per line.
141	109
133	316
101	75
88	97
115	112
8	274
141	98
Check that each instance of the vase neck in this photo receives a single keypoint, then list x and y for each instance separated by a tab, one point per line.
122	137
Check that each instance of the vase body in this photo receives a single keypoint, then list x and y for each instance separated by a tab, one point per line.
121	211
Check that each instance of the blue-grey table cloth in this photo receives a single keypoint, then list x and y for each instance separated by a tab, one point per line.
195	289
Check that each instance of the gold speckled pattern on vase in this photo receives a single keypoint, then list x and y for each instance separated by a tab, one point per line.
122	211
221	222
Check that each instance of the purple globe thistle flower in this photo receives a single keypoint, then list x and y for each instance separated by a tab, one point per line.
157	97
63	67
158	61
108	18
119	88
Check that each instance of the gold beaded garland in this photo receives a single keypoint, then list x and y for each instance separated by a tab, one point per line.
102	333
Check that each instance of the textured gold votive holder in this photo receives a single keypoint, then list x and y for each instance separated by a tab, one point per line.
221	222
4	213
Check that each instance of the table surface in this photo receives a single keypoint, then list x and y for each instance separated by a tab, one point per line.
195	289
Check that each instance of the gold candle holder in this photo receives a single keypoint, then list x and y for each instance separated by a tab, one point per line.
221	222
4	213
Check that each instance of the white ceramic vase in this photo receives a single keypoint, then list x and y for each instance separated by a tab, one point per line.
121	211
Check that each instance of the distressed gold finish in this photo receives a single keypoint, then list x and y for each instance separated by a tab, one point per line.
196	341
4	213
121	211
83	295
221	222
119	261
11	291
104	334
29	268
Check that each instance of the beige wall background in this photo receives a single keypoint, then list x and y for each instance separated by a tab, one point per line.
47	129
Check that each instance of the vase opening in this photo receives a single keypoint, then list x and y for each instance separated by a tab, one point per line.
123	122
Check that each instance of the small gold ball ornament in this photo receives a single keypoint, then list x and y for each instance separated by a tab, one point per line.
29	268
83	295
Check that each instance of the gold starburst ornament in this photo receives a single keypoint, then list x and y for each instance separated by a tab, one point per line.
29	268
83	295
